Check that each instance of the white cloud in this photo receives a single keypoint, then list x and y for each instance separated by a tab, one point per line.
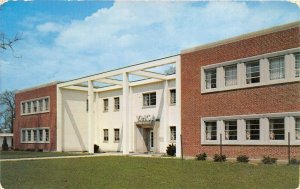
131	32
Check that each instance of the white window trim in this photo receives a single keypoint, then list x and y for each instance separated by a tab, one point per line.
289	120
170	134
37	141
37	102
289	60
170	103
116	110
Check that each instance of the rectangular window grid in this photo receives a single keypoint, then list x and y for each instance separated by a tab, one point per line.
276	129
173	133
149	99
173	96
297	129
297	65
105	105
230	75
211	130
230	130
117	135
276	68
252	129
252	72
117	103
211	78
105	135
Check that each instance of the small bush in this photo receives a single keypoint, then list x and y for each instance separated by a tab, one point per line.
201	157
269	160
242	159
5	145
171	150
219	158
294	161
96	148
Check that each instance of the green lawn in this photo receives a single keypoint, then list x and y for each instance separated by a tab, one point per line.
28	154
137	172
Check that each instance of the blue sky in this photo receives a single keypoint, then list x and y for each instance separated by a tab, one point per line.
64	40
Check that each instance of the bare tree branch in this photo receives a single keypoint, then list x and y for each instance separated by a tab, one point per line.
6	43
7	111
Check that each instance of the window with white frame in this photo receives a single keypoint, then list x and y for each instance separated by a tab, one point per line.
40	105
297	65
210	78
149	99
35	135
252	129
23	135
117	103
230	75
117	135
105	105
172	133
173	96
297	128
276	129
105	135
230	130
276	68
211	130
252	72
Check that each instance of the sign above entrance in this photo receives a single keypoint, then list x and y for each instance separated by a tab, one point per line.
145	121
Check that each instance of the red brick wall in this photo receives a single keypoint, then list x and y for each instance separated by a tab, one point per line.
36	120
267	99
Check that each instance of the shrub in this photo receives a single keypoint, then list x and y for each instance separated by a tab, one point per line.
96	148
201	157
4	145
269	160
294	161
243	159
219	158
171	150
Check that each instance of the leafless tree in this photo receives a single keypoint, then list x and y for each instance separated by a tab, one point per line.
7	110
7	43
171	70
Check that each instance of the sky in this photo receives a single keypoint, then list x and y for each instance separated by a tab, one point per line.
63	40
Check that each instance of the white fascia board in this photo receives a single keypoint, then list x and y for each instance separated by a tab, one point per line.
110	81
137	67
149	74
76	88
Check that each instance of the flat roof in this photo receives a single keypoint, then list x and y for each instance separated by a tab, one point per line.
38	86
242	37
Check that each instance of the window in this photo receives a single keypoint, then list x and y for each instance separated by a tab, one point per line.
276	68
230	130
211	79
117	103
297	65
173	96
211	130
28	107
230	75
41	105
105	105
46	104
276	129
252	72
40	135
34	135
149	99
252	129
172	133
23	108
105	135
297	129
46	135
28	135
34	106
117	135
23	135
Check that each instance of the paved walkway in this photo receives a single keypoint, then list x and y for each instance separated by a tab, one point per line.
82	156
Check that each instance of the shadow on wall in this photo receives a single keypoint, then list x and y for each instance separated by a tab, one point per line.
75	127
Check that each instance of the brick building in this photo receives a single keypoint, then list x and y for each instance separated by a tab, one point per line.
246	90
35	122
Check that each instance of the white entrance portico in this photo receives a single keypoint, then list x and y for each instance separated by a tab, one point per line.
104	109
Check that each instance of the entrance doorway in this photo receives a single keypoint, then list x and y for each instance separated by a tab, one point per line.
151	140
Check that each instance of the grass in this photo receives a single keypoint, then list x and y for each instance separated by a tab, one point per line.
137	172
28	154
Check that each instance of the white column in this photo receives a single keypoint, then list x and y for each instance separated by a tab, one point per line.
125	114
166	113
178	107
59	127
131	135
90	117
